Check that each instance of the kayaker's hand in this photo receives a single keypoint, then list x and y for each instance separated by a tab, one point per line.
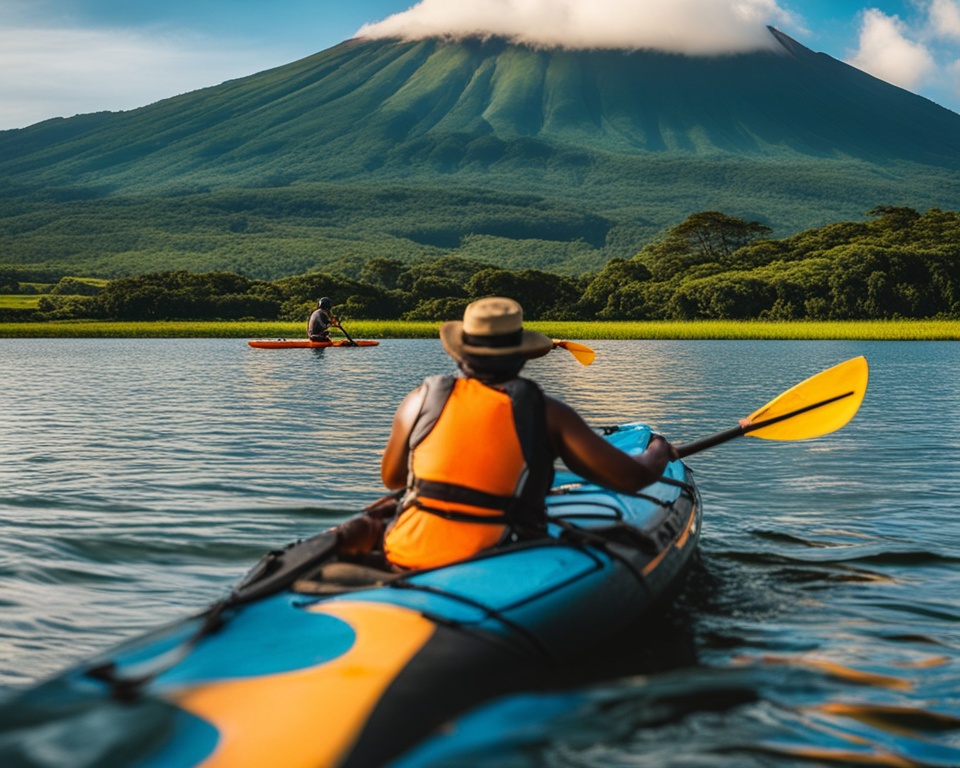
385	507
359	535
657	440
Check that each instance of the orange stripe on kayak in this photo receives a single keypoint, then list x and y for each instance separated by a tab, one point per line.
311	717
846	757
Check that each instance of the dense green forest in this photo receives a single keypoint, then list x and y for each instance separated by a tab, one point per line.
549	213
271	233
898	264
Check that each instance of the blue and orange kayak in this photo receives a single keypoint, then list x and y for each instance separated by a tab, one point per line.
312	660
307	344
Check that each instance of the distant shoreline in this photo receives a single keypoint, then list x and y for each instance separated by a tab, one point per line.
867	330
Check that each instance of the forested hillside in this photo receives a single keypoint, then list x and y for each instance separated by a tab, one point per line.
899	264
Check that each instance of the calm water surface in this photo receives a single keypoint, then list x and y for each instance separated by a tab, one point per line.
140	478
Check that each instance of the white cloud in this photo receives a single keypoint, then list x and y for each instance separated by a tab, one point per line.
945	19
681	26
886	51
62	72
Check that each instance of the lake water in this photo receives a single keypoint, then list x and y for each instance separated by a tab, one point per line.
140	478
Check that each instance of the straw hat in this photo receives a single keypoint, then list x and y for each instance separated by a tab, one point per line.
490	327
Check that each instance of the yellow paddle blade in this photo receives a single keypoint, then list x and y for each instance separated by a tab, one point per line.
817	406
582	352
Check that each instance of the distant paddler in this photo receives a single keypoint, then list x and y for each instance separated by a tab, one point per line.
321	320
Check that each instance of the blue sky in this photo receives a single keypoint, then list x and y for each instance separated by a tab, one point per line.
64	57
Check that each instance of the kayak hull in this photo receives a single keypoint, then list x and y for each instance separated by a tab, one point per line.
315	662
307	344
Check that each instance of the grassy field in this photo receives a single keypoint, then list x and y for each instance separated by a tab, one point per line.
905	330
19	301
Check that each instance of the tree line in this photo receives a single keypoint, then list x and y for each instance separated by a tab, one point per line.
897	264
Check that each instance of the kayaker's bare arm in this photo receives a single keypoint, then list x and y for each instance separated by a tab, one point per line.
587	454
393	466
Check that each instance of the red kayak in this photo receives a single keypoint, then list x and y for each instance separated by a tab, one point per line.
291	343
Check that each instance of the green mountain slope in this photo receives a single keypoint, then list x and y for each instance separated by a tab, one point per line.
544	158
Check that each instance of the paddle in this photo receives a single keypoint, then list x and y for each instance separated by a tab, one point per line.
352	342
582	352
817	406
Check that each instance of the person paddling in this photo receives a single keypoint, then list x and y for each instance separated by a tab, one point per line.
321	320
474	453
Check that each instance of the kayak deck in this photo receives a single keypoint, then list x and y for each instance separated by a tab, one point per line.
307	344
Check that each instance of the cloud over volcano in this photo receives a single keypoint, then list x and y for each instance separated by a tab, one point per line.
680	26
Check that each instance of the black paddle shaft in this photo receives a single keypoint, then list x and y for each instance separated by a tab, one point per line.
688	449
352	342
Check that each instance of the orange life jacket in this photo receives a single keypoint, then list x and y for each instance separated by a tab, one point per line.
479	468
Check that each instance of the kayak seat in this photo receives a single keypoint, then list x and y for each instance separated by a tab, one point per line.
333	578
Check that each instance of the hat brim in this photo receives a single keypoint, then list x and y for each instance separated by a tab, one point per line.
532	344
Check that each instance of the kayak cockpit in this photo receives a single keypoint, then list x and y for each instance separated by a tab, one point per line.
337	577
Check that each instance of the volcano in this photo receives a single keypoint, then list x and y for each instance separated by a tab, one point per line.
594	150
